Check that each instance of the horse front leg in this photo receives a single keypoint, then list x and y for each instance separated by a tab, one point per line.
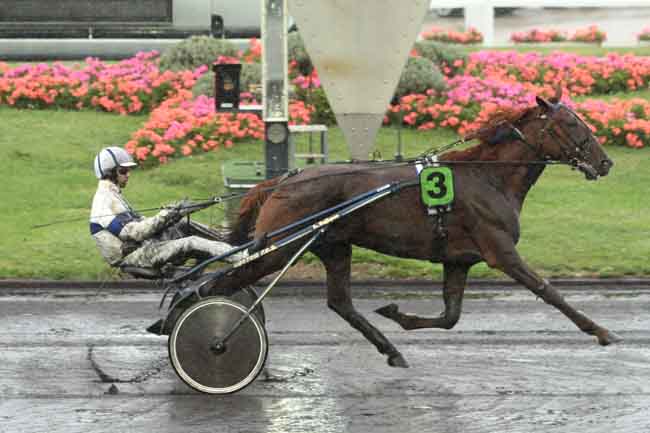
455	278
337	260
499	252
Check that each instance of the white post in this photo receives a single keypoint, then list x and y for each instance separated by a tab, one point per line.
481	17
359	48
275	90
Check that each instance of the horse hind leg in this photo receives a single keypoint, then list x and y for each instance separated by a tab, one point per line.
337	261
455	278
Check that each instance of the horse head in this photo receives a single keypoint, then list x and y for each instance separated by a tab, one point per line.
565	137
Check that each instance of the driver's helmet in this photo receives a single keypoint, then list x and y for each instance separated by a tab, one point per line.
109	158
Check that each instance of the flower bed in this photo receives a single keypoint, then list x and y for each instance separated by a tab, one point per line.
465	105
181	125
134	85
581	75
472	36
619	122
644	35
591	35
538	36
469	102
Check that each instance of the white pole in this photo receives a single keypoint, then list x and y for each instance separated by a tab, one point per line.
481	17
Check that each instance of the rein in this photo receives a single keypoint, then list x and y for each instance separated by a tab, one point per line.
427	156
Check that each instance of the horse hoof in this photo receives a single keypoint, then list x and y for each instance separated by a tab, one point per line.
397	360
388	311
606	338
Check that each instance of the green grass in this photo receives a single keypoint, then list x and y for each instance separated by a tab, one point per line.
570	227
643	94
577	48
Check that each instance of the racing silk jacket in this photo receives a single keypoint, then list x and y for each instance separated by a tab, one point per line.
114	224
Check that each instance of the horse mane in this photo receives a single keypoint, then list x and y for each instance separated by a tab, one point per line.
249	209
487	129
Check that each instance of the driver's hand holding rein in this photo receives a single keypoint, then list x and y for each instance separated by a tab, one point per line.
125	238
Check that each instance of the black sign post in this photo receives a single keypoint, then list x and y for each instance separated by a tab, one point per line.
216	26
226	86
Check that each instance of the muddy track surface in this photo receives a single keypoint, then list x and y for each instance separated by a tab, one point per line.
79	361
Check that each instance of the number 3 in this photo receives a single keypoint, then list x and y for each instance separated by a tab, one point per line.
436	187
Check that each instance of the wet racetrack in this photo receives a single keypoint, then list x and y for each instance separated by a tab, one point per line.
79	361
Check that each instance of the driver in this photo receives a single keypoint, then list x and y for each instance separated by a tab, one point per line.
125	238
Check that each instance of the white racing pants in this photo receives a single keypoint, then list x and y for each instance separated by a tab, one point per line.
155	254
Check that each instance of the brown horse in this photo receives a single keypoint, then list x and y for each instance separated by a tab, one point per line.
491	181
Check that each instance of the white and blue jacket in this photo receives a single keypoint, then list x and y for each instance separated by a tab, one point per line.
113	222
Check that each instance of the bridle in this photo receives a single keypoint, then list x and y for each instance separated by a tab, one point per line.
576	152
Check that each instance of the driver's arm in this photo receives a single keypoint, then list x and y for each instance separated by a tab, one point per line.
142	229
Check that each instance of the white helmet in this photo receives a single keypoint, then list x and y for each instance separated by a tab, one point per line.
110	157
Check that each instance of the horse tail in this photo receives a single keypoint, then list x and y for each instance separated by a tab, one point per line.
249	209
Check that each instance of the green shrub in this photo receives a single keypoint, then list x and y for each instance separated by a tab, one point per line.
418	75
204	85
251	74
250	79
312	96
323	114
196	51
297	51
443	55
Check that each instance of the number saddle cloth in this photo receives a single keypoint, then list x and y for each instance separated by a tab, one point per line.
437	191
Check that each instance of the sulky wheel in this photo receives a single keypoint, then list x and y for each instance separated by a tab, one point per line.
210	367
247	296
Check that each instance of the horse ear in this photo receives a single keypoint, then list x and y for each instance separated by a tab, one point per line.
546	105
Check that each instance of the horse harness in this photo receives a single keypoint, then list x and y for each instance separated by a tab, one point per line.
436	179
581	149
